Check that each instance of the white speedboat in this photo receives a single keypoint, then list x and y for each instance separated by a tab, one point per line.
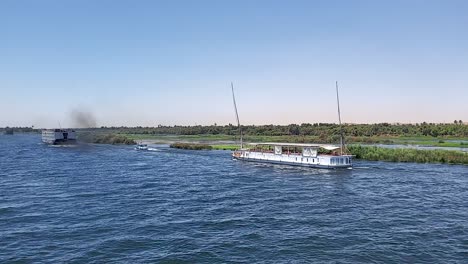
141	147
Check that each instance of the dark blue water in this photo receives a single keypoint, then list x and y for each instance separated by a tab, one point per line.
100	204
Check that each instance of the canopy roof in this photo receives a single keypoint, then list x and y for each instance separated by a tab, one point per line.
301	145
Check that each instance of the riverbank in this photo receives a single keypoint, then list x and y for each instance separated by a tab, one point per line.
102	138
453	142
360	150
191	146
371	153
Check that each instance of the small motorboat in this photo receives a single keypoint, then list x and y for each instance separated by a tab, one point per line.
141	147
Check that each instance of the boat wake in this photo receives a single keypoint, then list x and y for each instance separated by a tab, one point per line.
63	146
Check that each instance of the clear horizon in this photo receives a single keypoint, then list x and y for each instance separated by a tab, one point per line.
171	63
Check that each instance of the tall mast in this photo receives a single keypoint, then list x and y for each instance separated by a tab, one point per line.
339	118
237	115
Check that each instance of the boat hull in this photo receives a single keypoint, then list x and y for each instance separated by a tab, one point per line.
319	166
60	142
141	149
295	159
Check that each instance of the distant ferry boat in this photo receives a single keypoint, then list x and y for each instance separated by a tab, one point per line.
59	136
306	155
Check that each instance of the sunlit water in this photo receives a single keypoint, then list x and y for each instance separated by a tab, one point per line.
101	204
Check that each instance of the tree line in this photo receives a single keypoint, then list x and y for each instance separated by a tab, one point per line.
457	129
306	129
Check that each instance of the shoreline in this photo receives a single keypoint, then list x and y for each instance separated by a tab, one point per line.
370	153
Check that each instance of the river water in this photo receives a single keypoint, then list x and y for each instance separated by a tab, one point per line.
101	203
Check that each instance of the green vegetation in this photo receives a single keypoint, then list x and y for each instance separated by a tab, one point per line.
169	138
408	155
12	130
100	138
191	146
389	140
447	141
114	139
424	134
225	147
360	151
323	131
368	153
211	137
384	133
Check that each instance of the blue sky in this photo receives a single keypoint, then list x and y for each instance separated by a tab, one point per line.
171	62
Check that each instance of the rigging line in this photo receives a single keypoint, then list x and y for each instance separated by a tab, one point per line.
339	118
237	115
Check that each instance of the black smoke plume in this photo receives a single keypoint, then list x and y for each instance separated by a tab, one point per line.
83	119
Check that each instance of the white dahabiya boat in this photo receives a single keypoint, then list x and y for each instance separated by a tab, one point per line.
296	154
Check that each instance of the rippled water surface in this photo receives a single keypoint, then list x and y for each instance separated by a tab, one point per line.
99	204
